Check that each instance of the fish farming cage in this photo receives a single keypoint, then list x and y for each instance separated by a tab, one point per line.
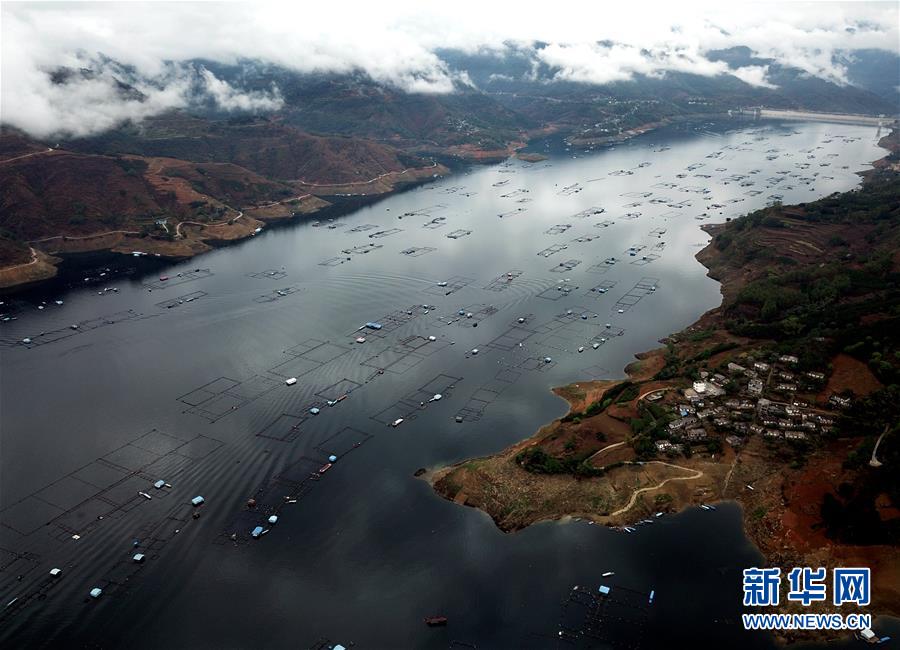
458	234
665	186
106	487
533	363
100	275
338	389
569	190
277	294
557	291
385	233
363	227
646	259
511	338
600	288
435	223
179	278
431	210
408	407
393	321
451	285
36	591
552	250
585	239
617	619
417	251
396	360
453	189
606	223
343	442
182	300
503	281
284	428
636	195
508	376
223	395
512	213
337	260
643	287
269	274
421	345
558	229
471	315
564	267
595	372
362	249
474	408
62	333
515	193
631	216
324	643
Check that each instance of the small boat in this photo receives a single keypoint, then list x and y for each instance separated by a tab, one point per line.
474	350
432	338
324	468
609	573
750	487
163	278
314	411
652	594
435	621
595	345
360	339
397	422
581	349
547	359
442	284
291	381
257	532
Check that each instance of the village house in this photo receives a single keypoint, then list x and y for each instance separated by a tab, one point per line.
755	387
789	359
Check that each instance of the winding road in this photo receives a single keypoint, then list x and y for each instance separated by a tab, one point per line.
636	493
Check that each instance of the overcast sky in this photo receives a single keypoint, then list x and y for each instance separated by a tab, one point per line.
392	42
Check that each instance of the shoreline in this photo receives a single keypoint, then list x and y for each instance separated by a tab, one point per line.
515	497
115	248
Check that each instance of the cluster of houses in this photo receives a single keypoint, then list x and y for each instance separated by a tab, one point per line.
757	399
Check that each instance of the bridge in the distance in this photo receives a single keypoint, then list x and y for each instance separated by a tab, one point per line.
814	116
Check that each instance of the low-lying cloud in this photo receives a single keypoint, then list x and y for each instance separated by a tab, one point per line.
142	57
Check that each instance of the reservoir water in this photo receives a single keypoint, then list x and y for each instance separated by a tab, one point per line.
183	380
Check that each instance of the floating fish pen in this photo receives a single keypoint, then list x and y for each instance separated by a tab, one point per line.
411	405
511	339
62	333
182	300
362	228
450	285
337	260
278	294
558	229
468	316
437	222
385	233
223	395
179	278
566	266
417	251
503	281
363	249
268	274
512	213
459	234
608	616
592	211
569	190
552	250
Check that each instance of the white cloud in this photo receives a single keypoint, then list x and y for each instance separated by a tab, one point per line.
393	44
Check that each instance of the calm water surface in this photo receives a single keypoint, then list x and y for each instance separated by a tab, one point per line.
194	394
